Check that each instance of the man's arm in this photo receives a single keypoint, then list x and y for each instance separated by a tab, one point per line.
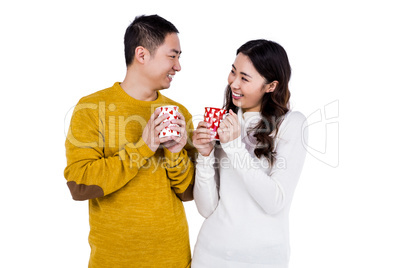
180	170
180	158
89	173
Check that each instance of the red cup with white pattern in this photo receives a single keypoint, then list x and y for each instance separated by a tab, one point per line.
172	111
214	117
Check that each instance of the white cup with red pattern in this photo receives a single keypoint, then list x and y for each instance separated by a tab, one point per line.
172	111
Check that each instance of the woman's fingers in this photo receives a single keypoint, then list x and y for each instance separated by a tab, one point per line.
202	135
202	124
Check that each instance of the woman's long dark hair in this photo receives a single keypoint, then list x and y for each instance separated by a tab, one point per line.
271	62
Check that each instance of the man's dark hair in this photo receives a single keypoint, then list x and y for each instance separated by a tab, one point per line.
147	31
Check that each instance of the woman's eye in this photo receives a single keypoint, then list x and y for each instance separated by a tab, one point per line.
232	72
244	79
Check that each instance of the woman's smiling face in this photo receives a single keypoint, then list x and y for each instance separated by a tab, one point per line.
247	85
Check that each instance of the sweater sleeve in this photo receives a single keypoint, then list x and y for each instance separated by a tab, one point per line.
206	186
274	191
180	168
89	173
180	171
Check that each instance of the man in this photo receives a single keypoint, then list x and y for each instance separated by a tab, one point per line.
135	181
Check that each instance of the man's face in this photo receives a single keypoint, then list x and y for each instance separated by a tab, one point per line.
164	63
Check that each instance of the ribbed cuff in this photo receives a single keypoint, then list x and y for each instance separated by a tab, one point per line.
174	159
143	149
206	162
202	159
171	156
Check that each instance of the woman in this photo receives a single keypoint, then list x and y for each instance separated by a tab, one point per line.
244	186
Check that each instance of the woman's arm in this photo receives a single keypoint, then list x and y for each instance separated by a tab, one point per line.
206	186
274	191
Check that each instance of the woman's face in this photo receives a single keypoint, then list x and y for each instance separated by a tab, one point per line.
247	85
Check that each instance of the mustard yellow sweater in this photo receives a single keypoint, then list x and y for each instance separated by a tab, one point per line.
136	217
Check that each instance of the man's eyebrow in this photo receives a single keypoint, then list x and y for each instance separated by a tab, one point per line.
241	72
176	51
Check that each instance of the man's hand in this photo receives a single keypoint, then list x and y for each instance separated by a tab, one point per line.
151	131
176	144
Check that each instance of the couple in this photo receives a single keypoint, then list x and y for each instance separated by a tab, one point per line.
135	181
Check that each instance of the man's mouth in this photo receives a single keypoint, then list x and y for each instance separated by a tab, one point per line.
170	76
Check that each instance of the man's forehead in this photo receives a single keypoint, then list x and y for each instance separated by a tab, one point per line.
171	44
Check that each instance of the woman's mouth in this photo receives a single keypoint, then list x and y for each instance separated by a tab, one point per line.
236	96
170	77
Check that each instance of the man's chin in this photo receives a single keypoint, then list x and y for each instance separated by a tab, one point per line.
165	87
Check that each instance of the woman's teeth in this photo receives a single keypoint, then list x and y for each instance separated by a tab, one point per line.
170	76
237	95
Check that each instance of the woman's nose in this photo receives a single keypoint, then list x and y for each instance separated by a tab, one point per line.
234	83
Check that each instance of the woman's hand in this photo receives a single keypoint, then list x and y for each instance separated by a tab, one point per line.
229	129
203	139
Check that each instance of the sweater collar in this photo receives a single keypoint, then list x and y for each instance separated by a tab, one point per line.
120	91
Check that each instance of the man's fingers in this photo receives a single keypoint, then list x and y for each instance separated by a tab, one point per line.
170	142
181	121
177	128
160	119
160	127
155	114
165	139
177	139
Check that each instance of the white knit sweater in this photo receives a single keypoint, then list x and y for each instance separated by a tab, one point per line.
246	201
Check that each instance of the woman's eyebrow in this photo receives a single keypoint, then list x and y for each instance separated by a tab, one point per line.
243	73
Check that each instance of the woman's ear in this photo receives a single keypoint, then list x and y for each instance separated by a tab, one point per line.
271	86
140	54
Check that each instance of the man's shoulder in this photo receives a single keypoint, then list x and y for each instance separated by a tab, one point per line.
91	104
100	95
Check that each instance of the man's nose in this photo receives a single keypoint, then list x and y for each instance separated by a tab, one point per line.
177	66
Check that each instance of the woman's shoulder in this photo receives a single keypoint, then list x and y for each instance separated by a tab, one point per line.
295	116
293	122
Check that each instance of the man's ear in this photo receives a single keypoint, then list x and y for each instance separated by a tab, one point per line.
141	54
271	86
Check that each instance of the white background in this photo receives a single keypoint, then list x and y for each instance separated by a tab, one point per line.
345	56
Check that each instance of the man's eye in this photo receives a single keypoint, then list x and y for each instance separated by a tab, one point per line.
232	71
